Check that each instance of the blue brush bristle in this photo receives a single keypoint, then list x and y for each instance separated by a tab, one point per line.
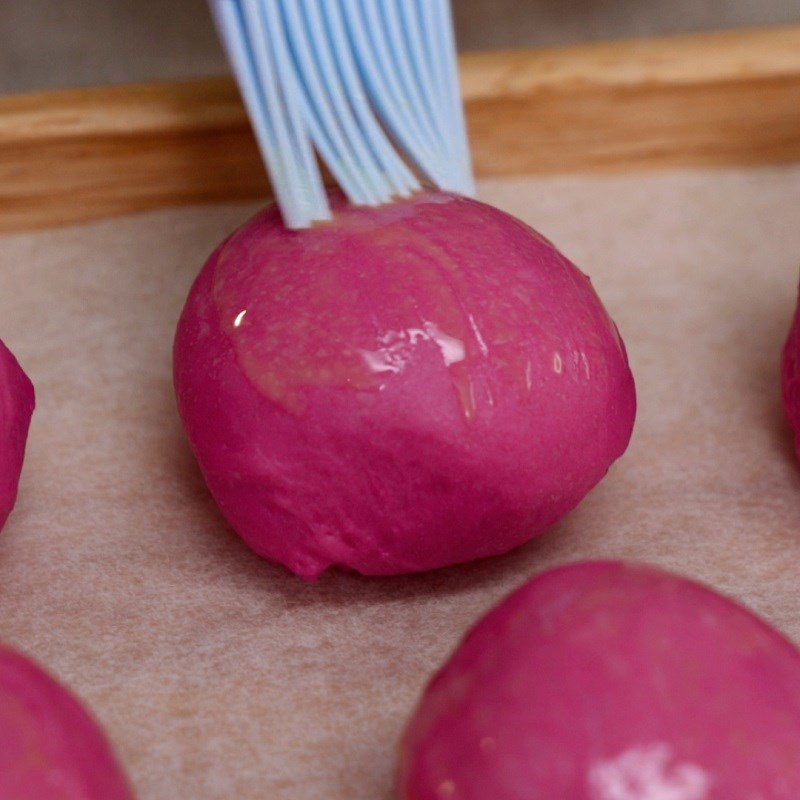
366	85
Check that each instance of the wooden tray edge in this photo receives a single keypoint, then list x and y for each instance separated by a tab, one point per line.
722	98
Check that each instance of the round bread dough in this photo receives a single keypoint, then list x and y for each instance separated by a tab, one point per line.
50	749
609	681
790	374
16	408
403	388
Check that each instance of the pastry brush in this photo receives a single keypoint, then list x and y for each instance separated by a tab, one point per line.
367	87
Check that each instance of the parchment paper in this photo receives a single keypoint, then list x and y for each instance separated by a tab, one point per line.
218	675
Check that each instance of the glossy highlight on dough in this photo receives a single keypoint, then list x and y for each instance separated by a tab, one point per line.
400	389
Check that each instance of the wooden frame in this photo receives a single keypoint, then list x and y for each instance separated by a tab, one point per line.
711	99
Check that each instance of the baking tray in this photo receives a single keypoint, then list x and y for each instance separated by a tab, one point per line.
218	675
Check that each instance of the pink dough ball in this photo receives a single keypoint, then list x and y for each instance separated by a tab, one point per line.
50	749
16	408
610	681
401	389
790	374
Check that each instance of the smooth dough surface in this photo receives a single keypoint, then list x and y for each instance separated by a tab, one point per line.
610	681
790	377
401	389
50	749
16	408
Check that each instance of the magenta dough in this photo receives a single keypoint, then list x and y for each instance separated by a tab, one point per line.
610	681
790	374
400	389
50	748
16	408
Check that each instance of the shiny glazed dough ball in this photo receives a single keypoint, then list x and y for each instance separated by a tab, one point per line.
50	749
400	389
606	681
16	408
